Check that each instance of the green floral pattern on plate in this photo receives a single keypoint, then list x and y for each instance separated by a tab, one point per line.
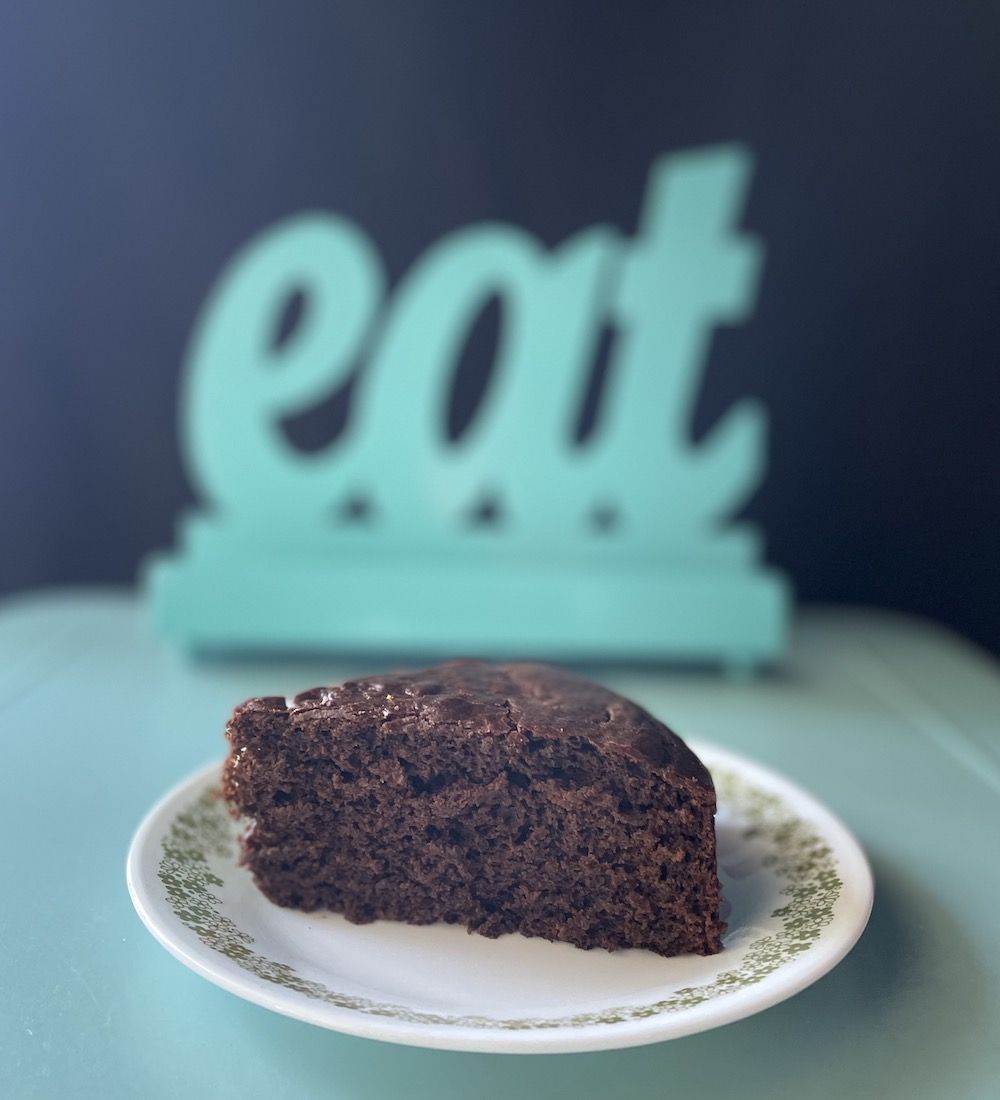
795	854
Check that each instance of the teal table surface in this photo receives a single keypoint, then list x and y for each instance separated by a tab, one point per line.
891	721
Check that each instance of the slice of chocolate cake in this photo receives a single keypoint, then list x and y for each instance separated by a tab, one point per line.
507	798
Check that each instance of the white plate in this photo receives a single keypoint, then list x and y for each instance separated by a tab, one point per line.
797	888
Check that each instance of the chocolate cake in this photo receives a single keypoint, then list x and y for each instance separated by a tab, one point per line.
506	798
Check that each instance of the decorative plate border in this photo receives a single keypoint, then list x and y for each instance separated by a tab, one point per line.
798	854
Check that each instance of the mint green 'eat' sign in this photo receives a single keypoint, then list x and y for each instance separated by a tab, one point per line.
516	538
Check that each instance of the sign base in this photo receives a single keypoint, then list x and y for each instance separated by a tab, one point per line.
453	605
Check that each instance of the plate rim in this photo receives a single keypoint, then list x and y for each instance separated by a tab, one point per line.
790	979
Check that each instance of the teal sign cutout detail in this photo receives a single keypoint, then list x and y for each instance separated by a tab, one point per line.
516	538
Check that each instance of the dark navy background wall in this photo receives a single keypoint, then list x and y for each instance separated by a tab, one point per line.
141	144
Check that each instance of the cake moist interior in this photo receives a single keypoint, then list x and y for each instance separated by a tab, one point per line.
510	806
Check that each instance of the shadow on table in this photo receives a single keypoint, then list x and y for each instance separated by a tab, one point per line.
897	1017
